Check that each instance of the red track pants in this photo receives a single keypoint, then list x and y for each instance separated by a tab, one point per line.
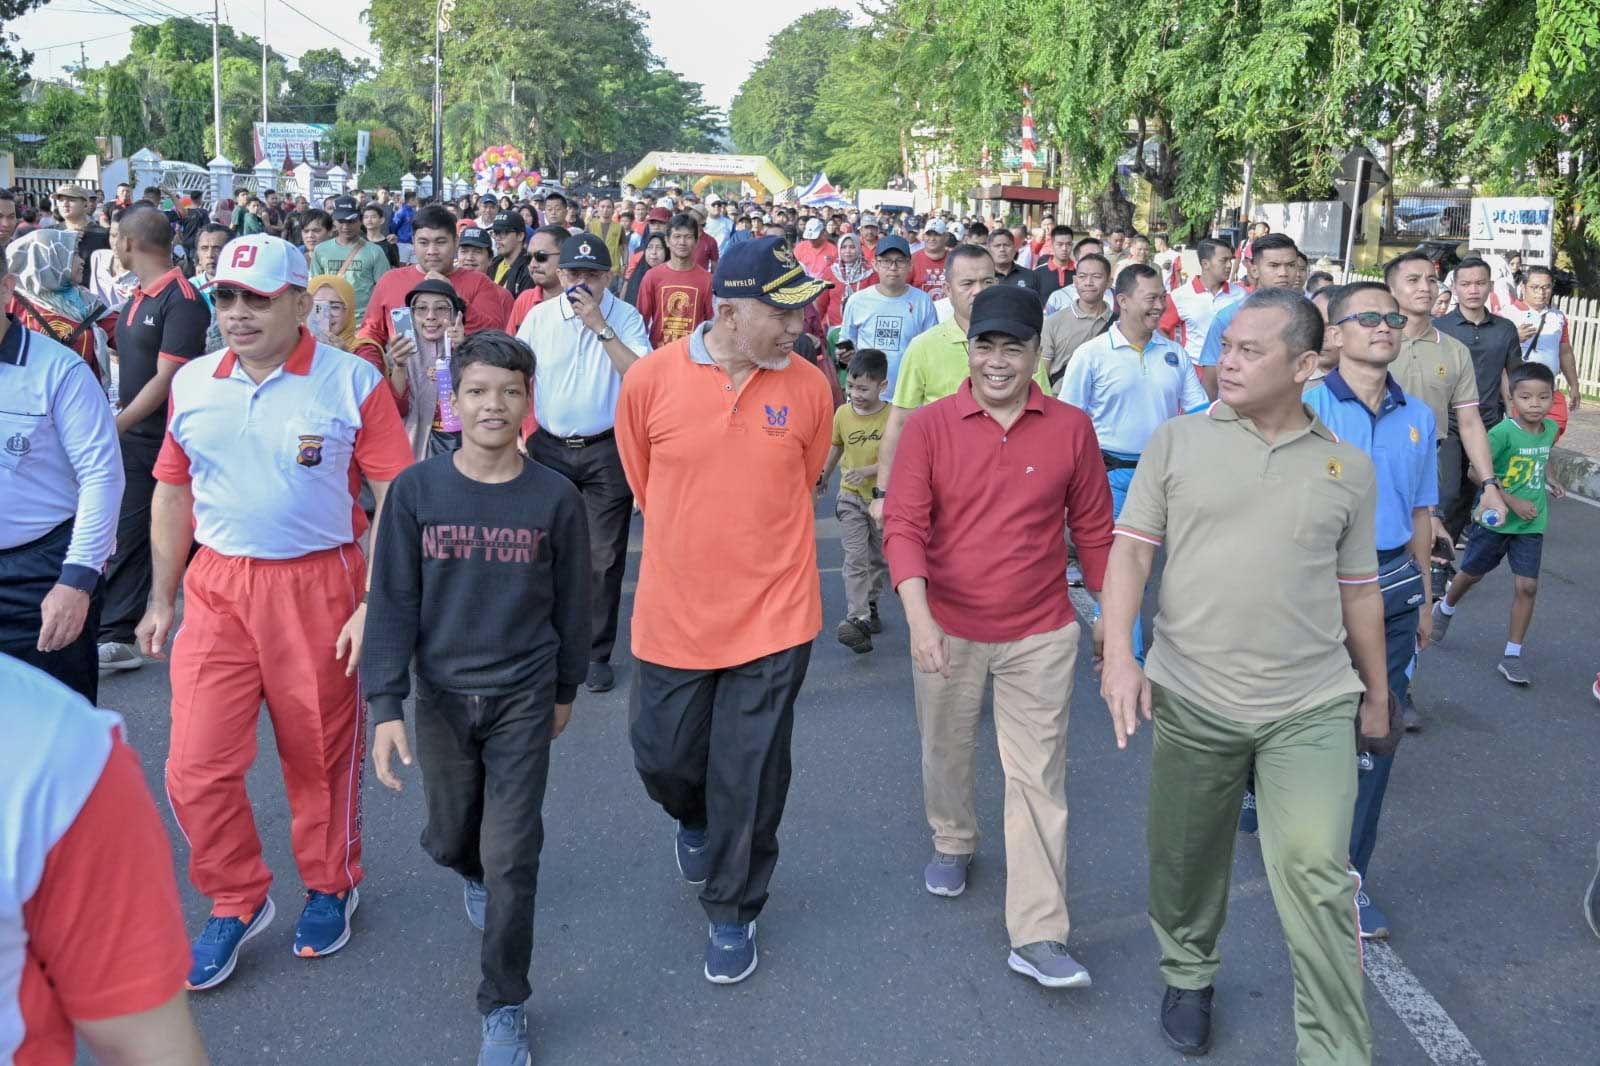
255	629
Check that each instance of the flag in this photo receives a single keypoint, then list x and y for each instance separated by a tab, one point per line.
1029	160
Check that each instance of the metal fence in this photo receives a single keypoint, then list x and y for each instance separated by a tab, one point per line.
1427	214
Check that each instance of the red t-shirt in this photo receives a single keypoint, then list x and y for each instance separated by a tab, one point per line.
705	252
674	302
105	930
526	301
488	306
927	274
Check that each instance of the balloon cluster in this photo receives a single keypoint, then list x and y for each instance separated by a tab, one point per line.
500	169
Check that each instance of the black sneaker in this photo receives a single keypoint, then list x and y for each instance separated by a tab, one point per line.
1410	716
1186	1019
874	623
853	634
601	678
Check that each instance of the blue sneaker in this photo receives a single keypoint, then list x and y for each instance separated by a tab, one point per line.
324	925
1374	924
476	897
693	854
1248	823
216	949
505	1038
730	953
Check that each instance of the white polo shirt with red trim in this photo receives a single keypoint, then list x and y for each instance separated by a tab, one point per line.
1189	312
276	468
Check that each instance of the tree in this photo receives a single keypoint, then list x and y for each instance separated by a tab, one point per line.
188	116
124	109
774	113
70	119
13	71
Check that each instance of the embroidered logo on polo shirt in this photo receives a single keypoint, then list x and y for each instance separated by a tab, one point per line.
1441	370
1415	436
1335	469
17	444
1172	358
149	320
310	453
780	417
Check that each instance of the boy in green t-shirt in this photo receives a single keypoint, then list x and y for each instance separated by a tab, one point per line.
1521	451
857	432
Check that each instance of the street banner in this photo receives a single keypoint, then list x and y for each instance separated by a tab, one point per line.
298	142
363	146
1521	224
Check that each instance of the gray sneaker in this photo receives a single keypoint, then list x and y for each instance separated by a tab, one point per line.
946	875
476	897
1441	622
1591	898
1511	669
1047	962
505	1038
114	656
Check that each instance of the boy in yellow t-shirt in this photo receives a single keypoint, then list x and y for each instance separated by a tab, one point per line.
857	432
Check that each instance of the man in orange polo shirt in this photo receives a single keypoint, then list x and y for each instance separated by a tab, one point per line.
722	435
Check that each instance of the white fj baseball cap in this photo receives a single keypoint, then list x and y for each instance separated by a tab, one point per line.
261	264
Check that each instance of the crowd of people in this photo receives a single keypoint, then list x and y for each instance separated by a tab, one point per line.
413	437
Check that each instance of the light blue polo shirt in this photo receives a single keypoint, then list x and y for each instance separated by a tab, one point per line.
1398	439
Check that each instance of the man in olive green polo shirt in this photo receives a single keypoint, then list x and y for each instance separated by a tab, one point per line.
1437	369
1254	663
935	362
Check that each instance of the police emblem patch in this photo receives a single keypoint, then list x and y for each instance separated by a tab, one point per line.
17	444
310	452
583	249
1335	469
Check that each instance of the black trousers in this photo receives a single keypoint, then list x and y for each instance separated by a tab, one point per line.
1457	491
128	571
485	761
712	747
27	574
597	472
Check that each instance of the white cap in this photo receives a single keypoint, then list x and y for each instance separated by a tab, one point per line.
813	229
935	225
713	199
261	264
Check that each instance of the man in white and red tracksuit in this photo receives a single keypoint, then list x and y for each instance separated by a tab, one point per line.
266	444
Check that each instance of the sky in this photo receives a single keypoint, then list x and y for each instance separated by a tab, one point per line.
104	28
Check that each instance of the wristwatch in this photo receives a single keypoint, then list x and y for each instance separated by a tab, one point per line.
877	493
607	334
1491	481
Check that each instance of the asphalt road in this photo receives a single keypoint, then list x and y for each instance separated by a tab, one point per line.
1488	842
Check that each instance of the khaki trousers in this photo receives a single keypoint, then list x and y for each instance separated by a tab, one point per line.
1305	768
1032	689
865	571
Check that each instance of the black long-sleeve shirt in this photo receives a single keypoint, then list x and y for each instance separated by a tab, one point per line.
485	585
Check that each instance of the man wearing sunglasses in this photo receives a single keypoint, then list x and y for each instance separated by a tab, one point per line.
509	268
1361	402
263	447
544	251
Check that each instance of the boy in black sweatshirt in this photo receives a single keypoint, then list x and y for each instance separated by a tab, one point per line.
484	583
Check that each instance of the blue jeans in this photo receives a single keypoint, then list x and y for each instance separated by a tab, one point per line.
1372	778
1120	480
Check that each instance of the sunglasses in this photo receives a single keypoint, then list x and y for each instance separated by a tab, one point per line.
226	298
1370	319
542	257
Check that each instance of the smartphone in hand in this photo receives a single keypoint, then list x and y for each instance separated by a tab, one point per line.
400	323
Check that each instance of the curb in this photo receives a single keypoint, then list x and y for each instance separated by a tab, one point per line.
1576	472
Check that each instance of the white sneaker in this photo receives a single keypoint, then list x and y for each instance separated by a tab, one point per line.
114	656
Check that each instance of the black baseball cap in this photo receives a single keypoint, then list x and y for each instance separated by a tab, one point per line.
765	270
584	251
435	287
474	237
1007	309
345	209
893	243
508	222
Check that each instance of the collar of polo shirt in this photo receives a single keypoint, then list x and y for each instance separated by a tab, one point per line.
967	404
1340	388
1221	412
299	361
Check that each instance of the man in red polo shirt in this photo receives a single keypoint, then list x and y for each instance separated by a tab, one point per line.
722	436
999	463
434	242
266	443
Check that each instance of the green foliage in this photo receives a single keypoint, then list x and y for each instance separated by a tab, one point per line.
70	118
124	109
188	116
510	76
775	112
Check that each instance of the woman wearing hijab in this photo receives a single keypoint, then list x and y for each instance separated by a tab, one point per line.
333	311
850	274
49	299
654	253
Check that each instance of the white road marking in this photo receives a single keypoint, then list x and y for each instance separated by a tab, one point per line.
1439	1036
1581	499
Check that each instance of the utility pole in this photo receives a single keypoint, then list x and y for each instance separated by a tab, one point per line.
216	86
263	66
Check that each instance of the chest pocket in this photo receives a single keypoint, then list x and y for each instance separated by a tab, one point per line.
1323	511
315	448
20	435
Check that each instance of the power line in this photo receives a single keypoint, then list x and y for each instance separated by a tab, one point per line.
325	29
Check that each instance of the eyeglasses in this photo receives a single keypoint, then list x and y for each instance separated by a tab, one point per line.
1370	319
225	298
